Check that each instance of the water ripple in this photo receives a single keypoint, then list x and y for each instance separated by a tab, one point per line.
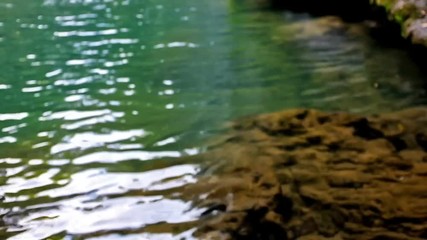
114	157
87	140
103	213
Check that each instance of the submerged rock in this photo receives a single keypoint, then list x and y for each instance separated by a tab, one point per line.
305	174
317	27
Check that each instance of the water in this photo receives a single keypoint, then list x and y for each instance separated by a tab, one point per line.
102	98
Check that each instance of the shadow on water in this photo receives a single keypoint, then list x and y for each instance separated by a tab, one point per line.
103	102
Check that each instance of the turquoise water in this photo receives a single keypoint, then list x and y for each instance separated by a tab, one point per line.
102	98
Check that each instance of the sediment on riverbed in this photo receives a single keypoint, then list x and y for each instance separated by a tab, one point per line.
405	17
305	174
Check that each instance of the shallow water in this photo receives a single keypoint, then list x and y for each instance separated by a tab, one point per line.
101	98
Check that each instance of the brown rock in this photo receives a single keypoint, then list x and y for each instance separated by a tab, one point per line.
304	174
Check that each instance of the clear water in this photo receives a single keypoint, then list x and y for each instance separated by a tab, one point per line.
101	98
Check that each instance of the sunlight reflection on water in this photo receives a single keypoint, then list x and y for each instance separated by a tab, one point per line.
88	202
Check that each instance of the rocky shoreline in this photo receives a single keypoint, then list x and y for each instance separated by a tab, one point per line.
405	17
411	15
305	174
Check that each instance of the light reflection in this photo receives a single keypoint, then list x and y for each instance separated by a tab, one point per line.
114	157
11	161
31	56
100	71
36	64
115	63
107	91
4	86
72	17
160	45
35	162
88	140
58	162
46	134
92	121
86	51
110	214
74	23
167	82
112	183
74	98
32	89
123	146
108	32
114	103
31	82
8	139
40	145
63	181
86	33
13	116
166	141
129	92
80	81
75	62
167	92
75	115
13	129
187	235
34	26
53	73
124	41
175	44
15	185
123	54
90	52
87	102
123	80
17	199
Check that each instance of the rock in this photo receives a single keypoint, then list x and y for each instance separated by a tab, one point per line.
411	15
305	174
408	16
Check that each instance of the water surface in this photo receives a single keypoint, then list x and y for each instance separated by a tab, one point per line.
102	98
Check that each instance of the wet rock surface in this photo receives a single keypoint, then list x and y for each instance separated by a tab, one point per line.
411	15
304	174
390	16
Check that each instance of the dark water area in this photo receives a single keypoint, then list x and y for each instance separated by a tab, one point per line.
101	99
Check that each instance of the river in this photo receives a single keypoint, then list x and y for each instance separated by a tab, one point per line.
100	100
